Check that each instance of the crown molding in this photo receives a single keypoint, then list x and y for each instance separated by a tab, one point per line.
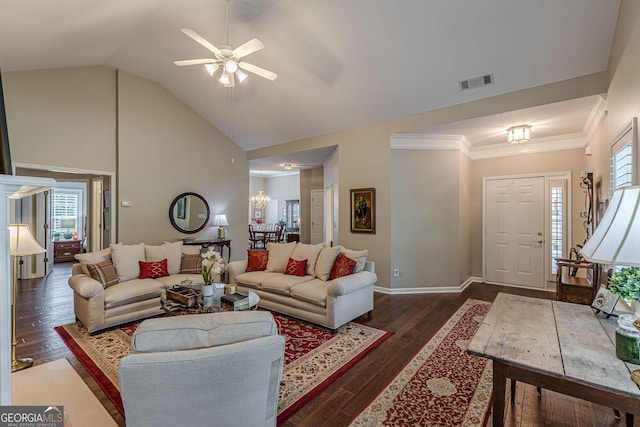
417	141
597	114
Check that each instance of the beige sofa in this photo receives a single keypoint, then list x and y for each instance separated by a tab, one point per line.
103	301
313	297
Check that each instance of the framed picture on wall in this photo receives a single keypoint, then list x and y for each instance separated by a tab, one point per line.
363	210
257	214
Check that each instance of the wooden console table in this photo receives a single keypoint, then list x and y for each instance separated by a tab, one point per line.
556	346
65	250
220	243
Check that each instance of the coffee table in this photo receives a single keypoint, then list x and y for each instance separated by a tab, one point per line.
203	304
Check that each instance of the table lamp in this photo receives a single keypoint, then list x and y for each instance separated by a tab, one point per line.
616	240
220	220
21	243
67	223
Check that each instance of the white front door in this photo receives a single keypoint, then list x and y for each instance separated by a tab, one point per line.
514	239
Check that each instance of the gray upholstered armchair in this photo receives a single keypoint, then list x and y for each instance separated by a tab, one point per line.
220	369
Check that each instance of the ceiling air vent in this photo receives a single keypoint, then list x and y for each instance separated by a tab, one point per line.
475	82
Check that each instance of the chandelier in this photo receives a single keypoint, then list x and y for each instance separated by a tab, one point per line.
260	201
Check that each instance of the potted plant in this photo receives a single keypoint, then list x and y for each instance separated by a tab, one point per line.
57	235
626	284
212	269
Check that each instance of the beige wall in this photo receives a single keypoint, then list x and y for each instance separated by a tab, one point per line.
103	120
425	209
465	218
365	158
165	149
63	117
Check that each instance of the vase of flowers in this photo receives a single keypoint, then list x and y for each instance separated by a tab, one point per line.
626	284
212	269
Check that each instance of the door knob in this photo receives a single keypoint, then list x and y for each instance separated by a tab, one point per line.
540	241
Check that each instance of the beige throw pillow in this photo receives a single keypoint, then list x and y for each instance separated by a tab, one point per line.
171	251
310	253
325	262
360	257
125	260
279	254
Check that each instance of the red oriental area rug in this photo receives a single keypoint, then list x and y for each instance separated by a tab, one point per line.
442	385
314	357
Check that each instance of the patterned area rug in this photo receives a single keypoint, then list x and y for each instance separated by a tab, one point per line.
314	357
442	385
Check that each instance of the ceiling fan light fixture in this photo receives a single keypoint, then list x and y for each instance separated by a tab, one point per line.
518	134
241	76
231	66
224	78
211	68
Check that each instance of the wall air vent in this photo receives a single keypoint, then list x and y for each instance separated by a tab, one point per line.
475	82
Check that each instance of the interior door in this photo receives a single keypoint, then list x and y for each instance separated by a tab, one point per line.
514	231
317	216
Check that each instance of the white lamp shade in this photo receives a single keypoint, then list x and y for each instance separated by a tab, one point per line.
21	241
220	219
617	238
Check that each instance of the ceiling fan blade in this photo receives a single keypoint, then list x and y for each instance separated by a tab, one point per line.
194	61
269	75
197	37
249	47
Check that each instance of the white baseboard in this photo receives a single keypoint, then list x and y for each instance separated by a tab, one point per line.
428	290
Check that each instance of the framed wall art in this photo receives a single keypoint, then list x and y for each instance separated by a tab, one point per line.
363	210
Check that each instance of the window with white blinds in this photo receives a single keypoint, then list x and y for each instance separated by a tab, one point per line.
65	205
558	219
623	163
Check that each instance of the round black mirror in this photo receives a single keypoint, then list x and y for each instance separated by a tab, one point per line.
189	213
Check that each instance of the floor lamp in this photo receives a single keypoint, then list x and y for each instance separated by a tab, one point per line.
21	243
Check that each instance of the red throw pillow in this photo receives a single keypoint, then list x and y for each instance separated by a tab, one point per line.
151	270
296	267
257	260
343	266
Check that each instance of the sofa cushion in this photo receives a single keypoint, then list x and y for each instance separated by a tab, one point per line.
151	270
191	264
132	291
204	330
172	252
176	279
257	260
103	272
296	267
283	283
310	253
360	257
313	291
279	254
254	279
343	266
93	258
325	262
191	249
125	260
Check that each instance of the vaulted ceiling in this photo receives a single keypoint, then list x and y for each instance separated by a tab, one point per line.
340	64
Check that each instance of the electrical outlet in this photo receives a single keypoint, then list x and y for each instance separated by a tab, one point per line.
396	272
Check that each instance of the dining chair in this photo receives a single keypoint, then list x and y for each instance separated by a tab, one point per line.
254	239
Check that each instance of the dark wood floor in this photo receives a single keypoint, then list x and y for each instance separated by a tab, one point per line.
45	303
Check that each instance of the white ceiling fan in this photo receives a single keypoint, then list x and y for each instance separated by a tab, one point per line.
228	58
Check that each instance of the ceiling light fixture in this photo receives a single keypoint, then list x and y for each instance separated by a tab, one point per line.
518	134
287	166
